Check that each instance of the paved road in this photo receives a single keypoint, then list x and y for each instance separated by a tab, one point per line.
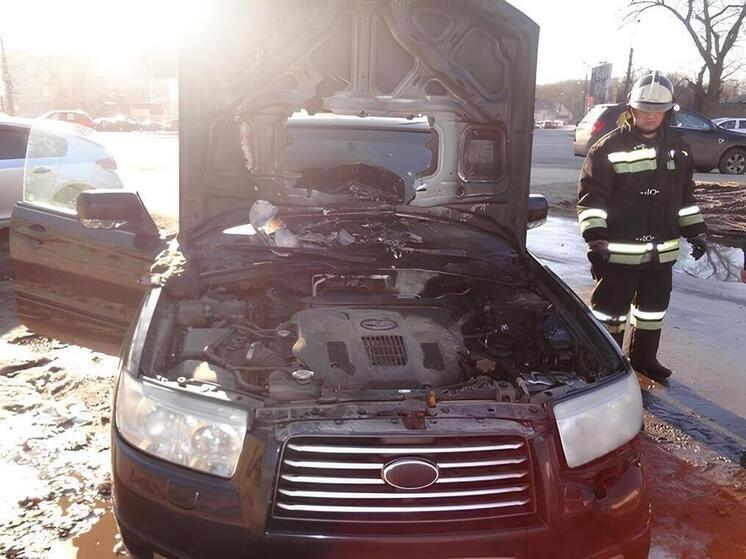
554	162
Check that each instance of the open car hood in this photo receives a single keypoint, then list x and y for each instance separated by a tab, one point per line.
249	64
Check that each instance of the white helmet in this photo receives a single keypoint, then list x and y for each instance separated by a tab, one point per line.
652	93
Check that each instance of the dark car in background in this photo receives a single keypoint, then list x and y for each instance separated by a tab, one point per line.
713	147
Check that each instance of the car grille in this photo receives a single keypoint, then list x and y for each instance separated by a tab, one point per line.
338	479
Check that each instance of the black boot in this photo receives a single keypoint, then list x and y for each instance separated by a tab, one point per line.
642	354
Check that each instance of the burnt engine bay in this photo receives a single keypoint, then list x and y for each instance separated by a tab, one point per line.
300	337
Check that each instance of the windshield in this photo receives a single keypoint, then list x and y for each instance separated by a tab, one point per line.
365	157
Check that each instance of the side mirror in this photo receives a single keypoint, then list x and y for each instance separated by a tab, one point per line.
105	209
538	209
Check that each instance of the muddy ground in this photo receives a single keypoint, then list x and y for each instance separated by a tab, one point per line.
55	490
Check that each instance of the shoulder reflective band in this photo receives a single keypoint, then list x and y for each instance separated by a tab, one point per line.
645	320
636	161
631	156
690	216
591	218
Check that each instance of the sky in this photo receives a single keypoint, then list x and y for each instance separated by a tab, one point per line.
574	33
579	32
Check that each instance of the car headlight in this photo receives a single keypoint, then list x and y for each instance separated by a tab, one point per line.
182	428
597	422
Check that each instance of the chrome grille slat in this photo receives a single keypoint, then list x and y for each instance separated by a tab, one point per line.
443	508
339	480
329	449
378	481
379	465
418	495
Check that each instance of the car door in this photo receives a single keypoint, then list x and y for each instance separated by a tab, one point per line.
13	141
73	283
702	137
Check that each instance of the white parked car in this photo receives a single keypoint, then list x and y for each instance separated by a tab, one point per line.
732	124
56	161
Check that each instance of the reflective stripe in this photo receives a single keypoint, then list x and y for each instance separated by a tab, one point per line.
630	259
592	212
639	253
668	245
630	248
648	315
636	167
592	222
606	318
689	210
691	220
647	320
670	256
632	156
671	165
646	324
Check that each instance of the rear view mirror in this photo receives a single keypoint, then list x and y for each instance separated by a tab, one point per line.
538	209
107	209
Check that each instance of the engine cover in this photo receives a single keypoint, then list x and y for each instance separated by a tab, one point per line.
372	348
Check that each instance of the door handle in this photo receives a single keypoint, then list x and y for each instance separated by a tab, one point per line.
37	228
36	232
42	170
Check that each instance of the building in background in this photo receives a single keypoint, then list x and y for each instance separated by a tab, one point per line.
549	110
43	83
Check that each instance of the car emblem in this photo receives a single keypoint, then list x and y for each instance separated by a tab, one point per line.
410	473
378	324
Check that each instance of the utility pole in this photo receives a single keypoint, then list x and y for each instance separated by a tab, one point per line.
7	84
628	79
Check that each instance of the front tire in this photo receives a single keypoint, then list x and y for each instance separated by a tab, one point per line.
733	162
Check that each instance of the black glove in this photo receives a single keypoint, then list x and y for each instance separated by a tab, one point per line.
699	245
598	255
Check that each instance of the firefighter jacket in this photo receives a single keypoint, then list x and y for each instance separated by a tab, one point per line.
638	194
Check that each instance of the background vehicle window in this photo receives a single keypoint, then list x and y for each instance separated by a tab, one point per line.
692	121
13	142
729	124
742	124
592	115
45	144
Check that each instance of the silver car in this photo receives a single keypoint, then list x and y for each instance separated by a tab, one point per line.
57	160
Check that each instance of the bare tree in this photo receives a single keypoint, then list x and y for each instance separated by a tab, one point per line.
714	27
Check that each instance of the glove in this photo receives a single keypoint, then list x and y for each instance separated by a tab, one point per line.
699	245
598	255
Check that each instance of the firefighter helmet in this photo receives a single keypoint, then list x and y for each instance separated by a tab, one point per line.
653	93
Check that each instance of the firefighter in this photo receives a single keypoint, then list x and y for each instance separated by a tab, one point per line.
635	200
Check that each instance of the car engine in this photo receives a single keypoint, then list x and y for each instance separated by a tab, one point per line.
307	336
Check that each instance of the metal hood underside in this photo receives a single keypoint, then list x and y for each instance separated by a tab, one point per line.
249	64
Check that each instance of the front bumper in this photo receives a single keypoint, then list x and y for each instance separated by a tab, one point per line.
183	514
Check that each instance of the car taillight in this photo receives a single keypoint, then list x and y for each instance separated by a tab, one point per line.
597	127
109	164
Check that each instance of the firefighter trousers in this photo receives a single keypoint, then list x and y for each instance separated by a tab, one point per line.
640	294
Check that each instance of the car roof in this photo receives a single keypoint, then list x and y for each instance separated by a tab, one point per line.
65	128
